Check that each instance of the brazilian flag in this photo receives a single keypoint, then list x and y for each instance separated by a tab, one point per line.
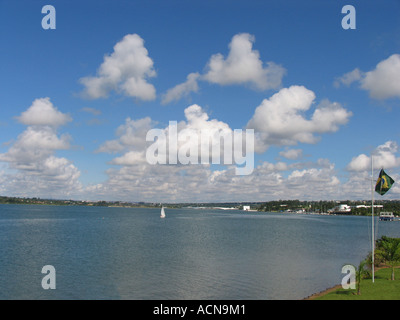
384	183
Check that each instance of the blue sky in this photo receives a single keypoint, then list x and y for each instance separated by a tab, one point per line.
78	100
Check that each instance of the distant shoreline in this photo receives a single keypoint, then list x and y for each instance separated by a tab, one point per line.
172	206
312	207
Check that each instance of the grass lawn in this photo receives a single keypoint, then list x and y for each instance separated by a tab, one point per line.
382	289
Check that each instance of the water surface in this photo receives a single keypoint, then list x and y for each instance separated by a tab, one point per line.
130	253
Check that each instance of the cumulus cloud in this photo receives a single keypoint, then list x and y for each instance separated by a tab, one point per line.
348	78
130	158
322	180
198	183
52	177
183	89
269	181
198	119
34	144
32	155
135	177
384	157
131	141
280	119
291	154
125	71
243	65
131	136
359	163
384	81
43	113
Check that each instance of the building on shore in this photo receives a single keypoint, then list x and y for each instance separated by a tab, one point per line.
340	209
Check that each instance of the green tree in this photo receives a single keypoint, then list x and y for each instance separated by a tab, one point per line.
388	249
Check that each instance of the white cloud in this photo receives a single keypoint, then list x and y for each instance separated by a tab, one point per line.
52	177
360	163
348	78
40	139
198	119
131	136
280	119
135	179
175	183
154	181
243	65
273	167
322	179
183	89
34	144
126	70
43	113
384	81
292	154
38	171
130	158
111	146
384	157
132	144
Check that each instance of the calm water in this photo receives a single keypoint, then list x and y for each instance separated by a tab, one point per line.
124	253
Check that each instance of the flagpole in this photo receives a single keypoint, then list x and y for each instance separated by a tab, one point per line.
373	231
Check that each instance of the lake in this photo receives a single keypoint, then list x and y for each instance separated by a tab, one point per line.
197	254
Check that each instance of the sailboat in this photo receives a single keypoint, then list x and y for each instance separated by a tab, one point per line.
162	213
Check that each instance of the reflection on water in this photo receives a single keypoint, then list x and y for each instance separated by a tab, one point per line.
124	253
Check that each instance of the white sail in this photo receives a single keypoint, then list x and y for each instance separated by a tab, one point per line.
162	213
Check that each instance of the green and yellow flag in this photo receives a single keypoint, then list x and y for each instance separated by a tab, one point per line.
384	183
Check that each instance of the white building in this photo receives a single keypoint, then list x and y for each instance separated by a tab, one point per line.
341	209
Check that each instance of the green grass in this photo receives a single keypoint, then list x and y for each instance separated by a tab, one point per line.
382	289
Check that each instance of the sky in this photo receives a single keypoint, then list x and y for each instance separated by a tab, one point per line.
92	91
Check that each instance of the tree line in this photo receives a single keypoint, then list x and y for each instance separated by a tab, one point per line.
325	205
